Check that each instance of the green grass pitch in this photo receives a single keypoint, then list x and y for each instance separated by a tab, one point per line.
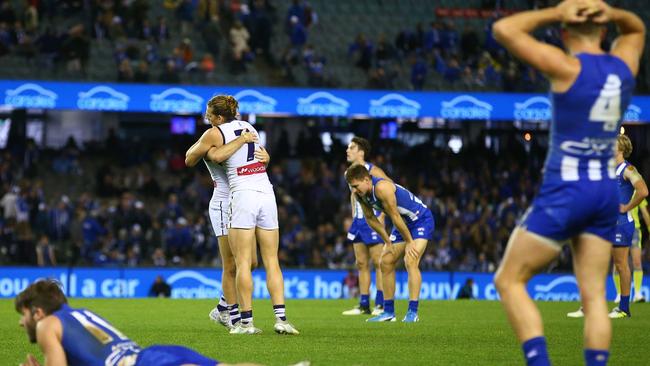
449	333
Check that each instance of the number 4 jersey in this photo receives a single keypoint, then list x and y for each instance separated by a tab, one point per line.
244	171
586	120
579	193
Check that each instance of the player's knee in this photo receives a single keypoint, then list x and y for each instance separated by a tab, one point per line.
411	263
386	264
362	264
502	281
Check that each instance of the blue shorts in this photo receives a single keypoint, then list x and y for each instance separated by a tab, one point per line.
563	210
172	356
361	232
422	228
625	234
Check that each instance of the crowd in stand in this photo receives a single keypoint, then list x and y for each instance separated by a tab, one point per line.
142	206
162	47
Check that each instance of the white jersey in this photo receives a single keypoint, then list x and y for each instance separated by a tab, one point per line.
220	179
244	171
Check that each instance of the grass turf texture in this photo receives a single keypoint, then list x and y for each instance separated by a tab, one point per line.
449	333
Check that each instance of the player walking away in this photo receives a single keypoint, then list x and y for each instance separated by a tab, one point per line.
413	228
578	199
631	190
252	214
365	241
227	311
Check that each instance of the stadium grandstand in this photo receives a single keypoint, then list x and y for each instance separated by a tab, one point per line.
93	182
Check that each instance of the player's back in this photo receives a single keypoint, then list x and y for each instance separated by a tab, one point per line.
586	121
410	207
244	171
89	340
219	178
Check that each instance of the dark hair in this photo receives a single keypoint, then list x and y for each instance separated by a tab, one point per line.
223	105
45	294
363	144
356	172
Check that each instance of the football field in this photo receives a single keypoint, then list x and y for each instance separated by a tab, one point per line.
449	333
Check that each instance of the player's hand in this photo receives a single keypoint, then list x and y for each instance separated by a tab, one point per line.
622	208
248	137
262	155
602	13
411	250
577	11
30	361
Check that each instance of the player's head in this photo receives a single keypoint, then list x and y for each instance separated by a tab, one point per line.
358	150
359	180
624	145
37	301
221	109
590	32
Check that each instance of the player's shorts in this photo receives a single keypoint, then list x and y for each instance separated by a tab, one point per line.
563	210
361	232
250	209
422	228
172	356
624	234
218	211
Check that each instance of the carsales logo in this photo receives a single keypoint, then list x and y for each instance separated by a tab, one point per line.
255	168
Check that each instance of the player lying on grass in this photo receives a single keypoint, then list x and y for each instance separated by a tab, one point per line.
79	337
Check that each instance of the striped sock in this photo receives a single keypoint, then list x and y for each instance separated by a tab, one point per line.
234	314
222	306
279	311
247	317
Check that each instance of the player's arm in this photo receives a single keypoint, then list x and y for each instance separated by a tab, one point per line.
629	44
201	147
513	32
385	192
373	222
220	152
48	335
640	188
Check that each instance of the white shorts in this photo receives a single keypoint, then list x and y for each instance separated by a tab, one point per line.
249	209
218	211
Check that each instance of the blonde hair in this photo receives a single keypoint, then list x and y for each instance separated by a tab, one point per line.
624	145
223	105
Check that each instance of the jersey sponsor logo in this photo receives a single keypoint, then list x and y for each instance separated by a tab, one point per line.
564	288
633	113
322	104
184	285
176	100
533	109
103	98
394	105
589	147
31	95
252	101
466	107
250	169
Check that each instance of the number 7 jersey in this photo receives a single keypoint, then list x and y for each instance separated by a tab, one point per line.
244	171
586	121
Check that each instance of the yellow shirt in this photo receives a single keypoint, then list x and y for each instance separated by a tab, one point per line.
635	214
